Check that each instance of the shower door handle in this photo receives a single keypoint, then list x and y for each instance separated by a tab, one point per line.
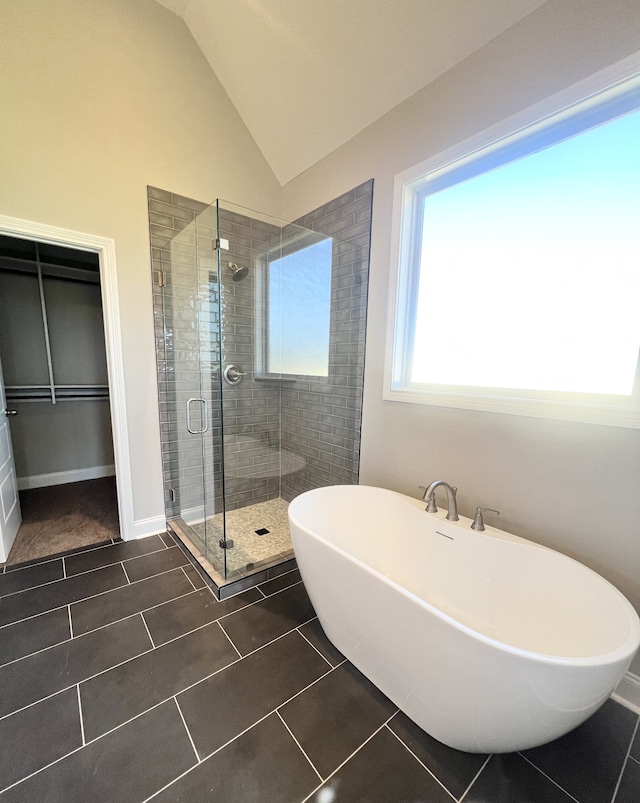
204	419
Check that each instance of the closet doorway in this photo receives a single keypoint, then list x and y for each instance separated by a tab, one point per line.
53	358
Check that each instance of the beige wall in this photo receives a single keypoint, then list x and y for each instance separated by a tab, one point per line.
571	486
99	98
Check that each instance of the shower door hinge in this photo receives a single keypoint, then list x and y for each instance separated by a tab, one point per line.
158	278
228	544
221	243
169	495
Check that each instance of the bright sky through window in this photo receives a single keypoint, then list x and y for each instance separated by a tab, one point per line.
530	273
299	309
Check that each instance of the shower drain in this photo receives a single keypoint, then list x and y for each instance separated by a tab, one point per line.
261	531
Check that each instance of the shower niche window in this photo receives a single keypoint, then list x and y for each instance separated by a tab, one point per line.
260	330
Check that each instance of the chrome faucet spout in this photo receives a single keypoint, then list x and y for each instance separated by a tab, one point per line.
430	499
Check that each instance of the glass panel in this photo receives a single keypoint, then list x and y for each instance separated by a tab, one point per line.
188	399
208	319
276	296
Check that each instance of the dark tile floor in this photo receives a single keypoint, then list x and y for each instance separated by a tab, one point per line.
123	679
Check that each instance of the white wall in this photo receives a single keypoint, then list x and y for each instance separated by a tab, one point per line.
571	486
99	98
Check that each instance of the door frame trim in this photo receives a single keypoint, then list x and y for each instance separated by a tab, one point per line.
105	248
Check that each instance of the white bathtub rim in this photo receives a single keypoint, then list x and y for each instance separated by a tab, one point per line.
623	652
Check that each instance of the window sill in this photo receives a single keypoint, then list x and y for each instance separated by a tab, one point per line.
625	415
273	378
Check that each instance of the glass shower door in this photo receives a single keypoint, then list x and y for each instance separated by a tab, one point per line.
209	339
192	418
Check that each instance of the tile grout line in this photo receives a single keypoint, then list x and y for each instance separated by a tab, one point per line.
82	599
229	638
57	580
308	686
164	700
626	760
94	629
186	727
143	610
71	685
40	769
278	576
266	644
125	572
179	692
49	559
146	627
63	558
422	764
302	750
233	663
93	741
182	775
188	578
339	767
61	642
293	585
64	569
84	741
238	735
314	647
475	777
548	777
37	585
202	680
265	596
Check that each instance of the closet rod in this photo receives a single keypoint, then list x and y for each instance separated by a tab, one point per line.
58	386
18	398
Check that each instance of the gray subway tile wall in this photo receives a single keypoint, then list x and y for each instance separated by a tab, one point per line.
321	419
280	438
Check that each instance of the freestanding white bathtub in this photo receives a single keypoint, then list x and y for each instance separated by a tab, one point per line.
489	642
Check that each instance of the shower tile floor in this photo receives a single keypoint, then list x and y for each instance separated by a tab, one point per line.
249	549
124	679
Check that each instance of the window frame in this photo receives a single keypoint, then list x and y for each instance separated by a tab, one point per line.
262	328
566	107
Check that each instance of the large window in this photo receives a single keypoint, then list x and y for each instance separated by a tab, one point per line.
518	287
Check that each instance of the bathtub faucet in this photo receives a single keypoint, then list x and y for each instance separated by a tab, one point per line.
430	498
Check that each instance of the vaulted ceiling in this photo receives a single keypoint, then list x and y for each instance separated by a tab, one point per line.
308	75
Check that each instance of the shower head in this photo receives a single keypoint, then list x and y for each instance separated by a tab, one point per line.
237	273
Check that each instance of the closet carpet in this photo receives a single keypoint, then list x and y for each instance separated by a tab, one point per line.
64	517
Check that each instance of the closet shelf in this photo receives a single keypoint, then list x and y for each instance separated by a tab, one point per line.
86	275
62	392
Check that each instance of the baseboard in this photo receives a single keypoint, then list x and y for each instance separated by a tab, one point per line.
63	477
144	527
627	692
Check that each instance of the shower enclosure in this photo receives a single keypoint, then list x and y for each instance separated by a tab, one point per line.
260	347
